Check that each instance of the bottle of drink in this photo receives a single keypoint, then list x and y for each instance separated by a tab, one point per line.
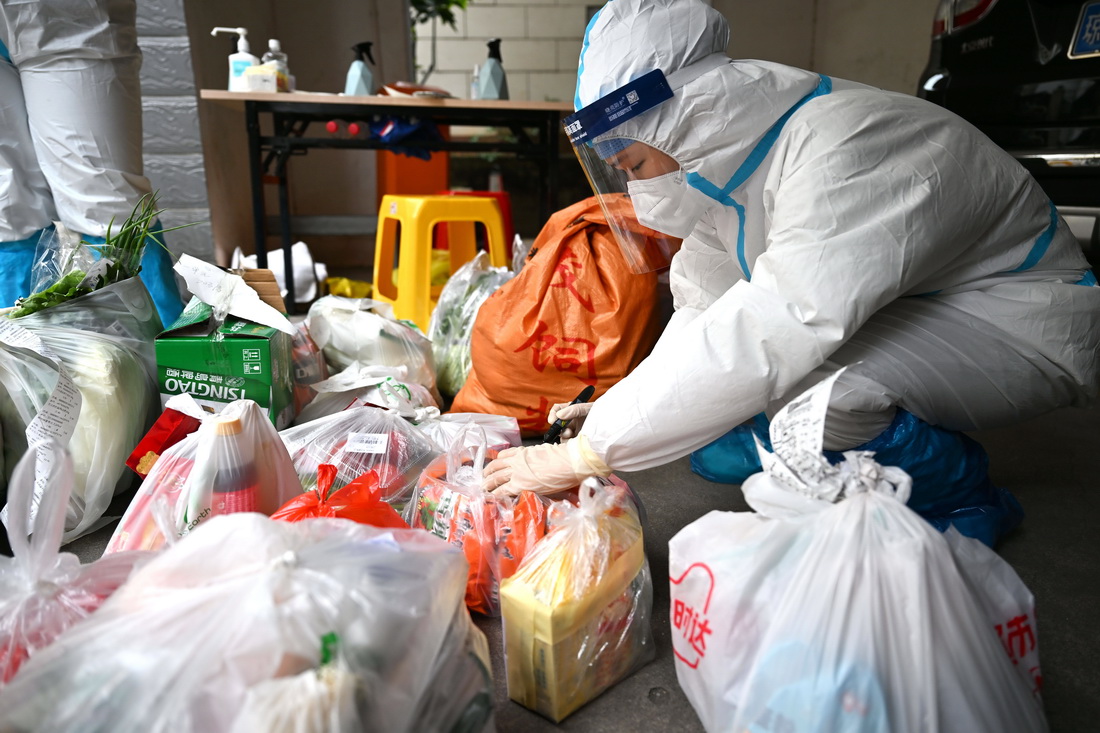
235	486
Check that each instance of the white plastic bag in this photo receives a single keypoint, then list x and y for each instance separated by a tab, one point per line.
235	462
361	330
44	591
837	608
197	634
376	386
307	273
115	405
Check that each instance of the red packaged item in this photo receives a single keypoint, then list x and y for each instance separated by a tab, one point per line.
170	428
494	532
360	501
358	440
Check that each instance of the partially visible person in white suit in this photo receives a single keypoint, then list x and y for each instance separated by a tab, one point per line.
825	224
71	135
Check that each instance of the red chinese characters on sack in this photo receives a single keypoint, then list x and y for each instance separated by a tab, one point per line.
689	617
536	417
576	356
569	271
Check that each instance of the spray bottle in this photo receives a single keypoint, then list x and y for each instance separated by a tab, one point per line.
491	81
360	79
240	60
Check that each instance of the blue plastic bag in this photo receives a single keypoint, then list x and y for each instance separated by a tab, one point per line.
950	472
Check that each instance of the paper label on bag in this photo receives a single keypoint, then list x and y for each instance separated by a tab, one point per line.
57	417
367	443
798	433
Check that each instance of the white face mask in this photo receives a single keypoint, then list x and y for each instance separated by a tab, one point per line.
667	203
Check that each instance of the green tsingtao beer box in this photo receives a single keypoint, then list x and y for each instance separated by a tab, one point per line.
238	360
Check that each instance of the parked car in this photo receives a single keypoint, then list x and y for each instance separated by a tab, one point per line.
1027	74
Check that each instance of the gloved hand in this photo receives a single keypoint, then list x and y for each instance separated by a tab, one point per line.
544	469
568	411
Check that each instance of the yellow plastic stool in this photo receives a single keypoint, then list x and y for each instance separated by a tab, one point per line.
408	222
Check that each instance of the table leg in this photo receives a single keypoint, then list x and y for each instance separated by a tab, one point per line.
284	229
259	235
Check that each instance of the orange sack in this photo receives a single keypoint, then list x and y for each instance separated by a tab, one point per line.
575	315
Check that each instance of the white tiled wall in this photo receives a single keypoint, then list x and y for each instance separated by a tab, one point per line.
540	43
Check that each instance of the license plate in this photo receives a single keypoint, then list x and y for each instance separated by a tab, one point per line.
1086	39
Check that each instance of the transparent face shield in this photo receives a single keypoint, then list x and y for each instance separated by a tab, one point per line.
611	163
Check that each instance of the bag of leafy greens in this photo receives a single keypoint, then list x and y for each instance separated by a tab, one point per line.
452	320
90	392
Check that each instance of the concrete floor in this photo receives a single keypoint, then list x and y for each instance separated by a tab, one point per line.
1046	463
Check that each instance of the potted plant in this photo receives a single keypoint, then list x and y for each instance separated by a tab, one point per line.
424	10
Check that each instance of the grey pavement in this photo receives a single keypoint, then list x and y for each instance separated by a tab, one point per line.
1047	463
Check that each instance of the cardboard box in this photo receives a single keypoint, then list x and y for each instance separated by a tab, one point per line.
239	360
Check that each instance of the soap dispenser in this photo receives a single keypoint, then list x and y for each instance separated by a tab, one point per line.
491	81
240	60
360	79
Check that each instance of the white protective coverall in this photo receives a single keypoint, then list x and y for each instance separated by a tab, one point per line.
71	132
849	226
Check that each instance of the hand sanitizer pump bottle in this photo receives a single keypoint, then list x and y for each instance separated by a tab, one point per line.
240	60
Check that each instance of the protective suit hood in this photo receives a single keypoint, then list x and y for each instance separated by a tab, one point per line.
721	109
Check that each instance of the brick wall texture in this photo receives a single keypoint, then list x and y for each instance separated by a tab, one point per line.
540	44
170	118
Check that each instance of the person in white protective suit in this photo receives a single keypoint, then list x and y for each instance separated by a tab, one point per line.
70	135
826	224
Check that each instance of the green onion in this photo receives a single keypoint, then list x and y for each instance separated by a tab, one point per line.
122	250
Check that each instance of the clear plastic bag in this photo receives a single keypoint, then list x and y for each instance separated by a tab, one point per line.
44	591
123	312
452	320
309	367
358	440
500	432
235	462
377	386
494	532
200	632
577	611
361	330
118	402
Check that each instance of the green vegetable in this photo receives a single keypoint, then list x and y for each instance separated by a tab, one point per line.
452	320
121	251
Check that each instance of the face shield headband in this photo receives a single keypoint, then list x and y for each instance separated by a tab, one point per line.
610	161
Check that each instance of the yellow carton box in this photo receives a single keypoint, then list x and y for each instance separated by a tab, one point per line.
561	652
